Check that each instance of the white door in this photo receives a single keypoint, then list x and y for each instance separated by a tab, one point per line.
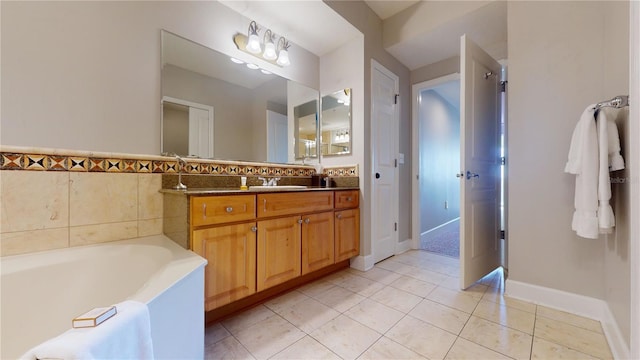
384	147
479	162
200	133
277	134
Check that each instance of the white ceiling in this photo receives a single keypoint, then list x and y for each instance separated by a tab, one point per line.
315	26
308	23
486	26
386	9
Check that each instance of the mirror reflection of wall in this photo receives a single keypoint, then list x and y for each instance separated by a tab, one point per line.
175	128
336	123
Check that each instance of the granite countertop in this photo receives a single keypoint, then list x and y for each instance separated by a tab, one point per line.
225	191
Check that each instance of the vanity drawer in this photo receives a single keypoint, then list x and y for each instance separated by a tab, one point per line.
294	203
209	210
346	199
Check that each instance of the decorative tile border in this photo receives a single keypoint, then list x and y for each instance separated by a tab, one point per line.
15	158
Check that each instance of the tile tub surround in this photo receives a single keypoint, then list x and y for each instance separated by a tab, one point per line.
56	198
44	210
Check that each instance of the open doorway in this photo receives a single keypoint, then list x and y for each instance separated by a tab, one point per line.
438	114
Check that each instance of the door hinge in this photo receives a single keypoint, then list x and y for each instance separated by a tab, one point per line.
395	162
503	86
503	160
395	226
502	234
395	98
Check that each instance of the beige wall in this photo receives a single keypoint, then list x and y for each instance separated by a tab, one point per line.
558	64
365	20
89	72
617	246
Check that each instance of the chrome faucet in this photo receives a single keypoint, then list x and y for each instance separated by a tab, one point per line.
273	181
181	163
269	182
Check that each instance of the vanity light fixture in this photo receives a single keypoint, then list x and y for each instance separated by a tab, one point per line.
253	42
283	53
250	43
269	46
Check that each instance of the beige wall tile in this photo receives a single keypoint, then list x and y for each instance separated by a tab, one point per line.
23	242
98	198
149	196
149	227
33	200
94	234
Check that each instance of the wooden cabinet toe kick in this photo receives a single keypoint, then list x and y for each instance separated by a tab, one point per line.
237	306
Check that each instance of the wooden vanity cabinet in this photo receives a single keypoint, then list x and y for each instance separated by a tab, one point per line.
347	225
258	245
318	250
278	251
224	233
297	244
231	254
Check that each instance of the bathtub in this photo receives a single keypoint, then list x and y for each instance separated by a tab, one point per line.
42	292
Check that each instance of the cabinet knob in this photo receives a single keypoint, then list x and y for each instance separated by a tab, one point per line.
299	221
229	209
307	220
254	228
339	216
349	198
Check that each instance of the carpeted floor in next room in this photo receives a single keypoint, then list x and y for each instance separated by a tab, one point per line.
447	243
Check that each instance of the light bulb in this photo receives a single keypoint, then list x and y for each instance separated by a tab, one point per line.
253	44
269	51
283	58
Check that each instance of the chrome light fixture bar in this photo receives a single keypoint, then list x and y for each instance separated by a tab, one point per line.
250	44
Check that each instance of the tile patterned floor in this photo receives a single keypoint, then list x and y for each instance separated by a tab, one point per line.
406	307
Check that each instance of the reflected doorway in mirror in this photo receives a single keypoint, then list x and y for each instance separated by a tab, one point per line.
187	128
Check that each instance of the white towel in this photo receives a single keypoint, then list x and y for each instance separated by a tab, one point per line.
127	335
609	160
583	162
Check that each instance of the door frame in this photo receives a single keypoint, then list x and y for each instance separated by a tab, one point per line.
376	66
192	104
415	152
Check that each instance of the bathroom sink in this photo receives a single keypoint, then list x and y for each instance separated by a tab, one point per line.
277	187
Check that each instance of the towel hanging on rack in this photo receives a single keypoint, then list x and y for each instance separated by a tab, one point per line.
594	151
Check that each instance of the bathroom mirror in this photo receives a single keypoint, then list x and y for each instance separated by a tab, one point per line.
248	107
306	129
336	123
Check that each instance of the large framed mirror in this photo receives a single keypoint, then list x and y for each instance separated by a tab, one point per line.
336	123
250	111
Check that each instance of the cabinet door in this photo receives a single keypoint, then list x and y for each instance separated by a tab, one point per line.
278	251
317	241
231	272
347	234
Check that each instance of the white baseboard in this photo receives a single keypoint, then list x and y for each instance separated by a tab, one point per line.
362	263
586	306
403	246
